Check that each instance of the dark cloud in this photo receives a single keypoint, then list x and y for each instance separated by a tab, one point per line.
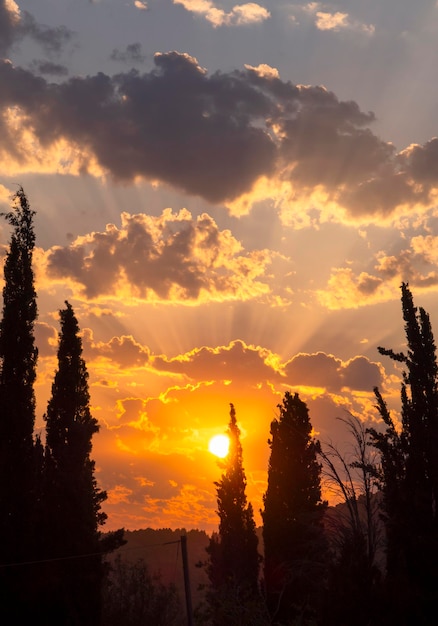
16	25
327	371
235	362
132	54
124	350
416	265
361	374
314	370
368	284
239	362
48	68
46	339
52	40
422	161
215	135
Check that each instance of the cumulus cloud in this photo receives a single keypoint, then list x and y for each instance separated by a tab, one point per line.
125	351
168	258
326	371
217	136
239	362
240	15
235	362
331	21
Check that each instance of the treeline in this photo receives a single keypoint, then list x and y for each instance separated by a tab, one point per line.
322	569
51	549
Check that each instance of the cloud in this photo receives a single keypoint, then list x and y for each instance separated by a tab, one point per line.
240	363
416	264
9	22
132	54
250	13
331	21
336	21
235	362
345	290
168	258
48	68
139	4
326	371
216	136
264	70
16	25
52	40
46	339
123	350
240	14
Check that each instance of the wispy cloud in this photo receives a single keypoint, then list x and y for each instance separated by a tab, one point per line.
132	54
48	68
16	25
329	20
415	263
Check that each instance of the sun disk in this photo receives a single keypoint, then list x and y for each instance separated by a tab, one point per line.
218	445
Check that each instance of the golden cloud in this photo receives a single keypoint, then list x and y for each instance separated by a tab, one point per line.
171	258
240	14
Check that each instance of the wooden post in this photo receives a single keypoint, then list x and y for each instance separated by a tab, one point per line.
186	580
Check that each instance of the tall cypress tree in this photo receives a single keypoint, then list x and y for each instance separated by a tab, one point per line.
409	477
233	565
18	358
73	499
292	517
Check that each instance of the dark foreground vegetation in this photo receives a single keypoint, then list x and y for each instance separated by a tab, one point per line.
371	562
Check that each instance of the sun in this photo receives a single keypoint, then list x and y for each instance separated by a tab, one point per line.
218	445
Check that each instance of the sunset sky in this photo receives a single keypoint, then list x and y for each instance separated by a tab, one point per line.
229	195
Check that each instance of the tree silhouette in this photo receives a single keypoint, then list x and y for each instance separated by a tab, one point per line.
233	564
292	516
135	597
18	358
72	497
409	476
353	527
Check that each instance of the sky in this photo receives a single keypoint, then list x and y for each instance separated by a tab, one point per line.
230	196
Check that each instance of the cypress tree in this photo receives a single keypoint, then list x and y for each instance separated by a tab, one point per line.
409	476
292	516
72	497
18	358
233	565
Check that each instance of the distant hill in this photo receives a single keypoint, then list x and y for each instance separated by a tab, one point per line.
161	551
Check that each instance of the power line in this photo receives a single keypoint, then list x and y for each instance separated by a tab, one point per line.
84	556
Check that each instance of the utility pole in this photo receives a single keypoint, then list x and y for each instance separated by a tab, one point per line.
186	580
